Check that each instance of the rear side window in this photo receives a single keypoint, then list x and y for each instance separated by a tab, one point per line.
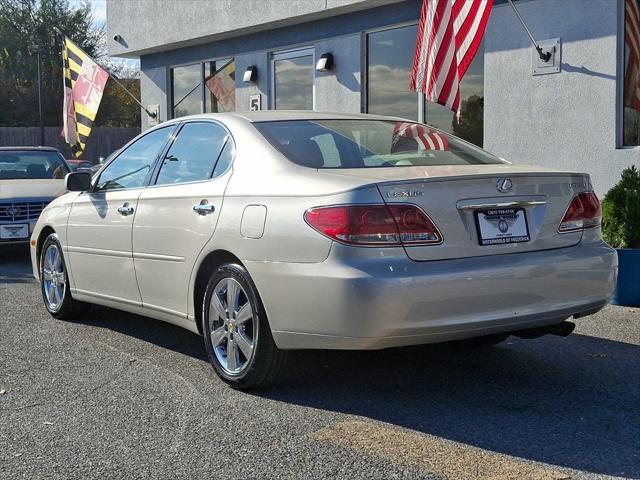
369	143
16	165
132	167
194	154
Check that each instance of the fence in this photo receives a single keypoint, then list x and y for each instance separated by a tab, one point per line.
102	141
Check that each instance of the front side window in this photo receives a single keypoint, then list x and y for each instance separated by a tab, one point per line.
390	58
368	144
17	165
293	76
631	115
132	167
194	154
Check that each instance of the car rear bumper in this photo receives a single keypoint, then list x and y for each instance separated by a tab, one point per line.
383	300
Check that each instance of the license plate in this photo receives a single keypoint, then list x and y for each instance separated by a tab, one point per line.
502	225
14	232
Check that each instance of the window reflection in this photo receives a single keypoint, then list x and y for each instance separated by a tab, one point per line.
294	83
220	82
390	54
471	122
187	94
216	92
390	57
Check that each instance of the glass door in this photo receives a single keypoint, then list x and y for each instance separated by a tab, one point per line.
292	77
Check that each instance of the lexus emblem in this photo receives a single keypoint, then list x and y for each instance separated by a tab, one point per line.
504	185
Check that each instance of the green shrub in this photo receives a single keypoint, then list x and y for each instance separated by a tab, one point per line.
621	211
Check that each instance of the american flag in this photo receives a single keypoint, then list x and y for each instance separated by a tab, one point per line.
427	138
449	34
632	39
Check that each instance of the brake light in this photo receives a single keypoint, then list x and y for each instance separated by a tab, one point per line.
375	225
584	212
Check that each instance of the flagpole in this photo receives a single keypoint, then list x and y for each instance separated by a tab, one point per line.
544	56
113	77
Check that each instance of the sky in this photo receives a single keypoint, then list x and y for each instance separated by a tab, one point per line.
100	18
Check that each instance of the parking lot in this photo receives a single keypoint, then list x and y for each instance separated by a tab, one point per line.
119	396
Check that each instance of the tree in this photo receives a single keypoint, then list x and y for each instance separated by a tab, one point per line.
24	23
471	120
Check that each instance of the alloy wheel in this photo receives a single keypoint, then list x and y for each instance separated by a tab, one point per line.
233	328
53	277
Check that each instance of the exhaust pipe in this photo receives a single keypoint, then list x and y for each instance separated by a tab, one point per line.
563	329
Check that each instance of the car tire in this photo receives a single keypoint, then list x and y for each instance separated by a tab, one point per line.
236	331
486	341
54	282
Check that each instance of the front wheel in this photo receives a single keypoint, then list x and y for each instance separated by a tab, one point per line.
236	332
54	282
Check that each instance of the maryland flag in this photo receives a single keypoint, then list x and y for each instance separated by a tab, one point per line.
84	82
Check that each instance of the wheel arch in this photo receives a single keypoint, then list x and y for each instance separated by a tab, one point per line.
44	233
207	266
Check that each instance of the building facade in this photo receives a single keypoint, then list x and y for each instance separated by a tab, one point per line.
233	55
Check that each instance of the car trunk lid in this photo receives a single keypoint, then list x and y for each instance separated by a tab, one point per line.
471	204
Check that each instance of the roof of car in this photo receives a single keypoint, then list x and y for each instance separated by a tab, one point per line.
280	115
29	149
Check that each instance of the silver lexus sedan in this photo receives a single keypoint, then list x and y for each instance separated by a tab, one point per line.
272	231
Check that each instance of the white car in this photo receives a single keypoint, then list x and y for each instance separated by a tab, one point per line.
30	177
271	231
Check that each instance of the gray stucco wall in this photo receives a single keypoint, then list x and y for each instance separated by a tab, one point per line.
568	120
336	90
147	26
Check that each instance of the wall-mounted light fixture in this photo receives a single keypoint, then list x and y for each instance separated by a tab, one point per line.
250	74
325	62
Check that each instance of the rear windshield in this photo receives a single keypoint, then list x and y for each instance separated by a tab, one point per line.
16	165
368	144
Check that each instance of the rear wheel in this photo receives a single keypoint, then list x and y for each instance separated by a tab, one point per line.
236	332
54	282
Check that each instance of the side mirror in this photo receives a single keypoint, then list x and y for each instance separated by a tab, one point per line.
78	181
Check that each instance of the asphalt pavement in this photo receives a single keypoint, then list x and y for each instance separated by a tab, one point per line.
115	395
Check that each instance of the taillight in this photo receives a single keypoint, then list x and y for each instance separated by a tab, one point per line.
379	225
584	212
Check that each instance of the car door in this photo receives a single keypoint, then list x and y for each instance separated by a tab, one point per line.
99	246
177	215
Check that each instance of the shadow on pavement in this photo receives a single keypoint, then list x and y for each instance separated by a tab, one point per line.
15	261
572	402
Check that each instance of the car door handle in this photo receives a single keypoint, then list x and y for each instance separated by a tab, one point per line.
204	208
125	210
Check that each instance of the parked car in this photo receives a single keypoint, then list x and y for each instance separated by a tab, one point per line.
272	231
30	177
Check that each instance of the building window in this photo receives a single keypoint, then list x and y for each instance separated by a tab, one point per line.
631	115
390	57
293	76
186	92
208	87
220	86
